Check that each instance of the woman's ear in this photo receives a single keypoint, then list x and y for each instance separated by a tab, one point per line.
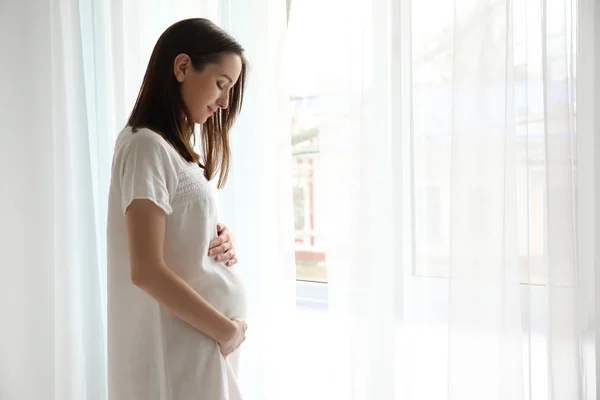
181	66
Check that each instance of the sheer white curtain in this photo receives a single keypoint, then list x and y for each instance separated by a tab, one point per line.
451	165
51	238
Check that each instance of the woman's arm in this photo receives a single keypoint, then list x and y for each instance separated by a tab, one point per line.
146	232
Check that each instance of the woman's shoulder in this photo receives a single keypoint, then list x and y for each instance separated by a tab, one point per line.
144	146
140	137
142	140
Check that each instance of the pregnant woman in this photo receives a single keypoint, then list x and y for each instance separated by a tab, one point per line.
175	301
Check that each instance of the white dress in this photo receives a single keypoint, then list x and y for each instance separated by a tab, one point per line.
153	355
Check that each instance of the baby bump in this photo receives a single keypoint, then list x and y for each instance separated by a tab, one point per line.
222	287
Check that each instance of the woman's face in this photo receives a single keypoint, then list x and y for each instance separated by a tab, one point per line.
204	92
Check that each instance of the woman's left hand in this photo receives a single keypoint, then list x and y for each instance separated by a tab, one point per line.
221	247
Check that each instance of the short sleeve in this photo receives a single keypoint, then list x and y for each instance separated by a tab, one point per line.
148	171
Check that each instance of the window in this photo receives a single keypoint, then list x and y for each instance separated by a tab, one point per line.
432	97
435	191
310	256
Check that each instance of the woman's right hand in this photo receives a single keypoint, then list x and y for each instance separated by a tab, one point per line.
236	338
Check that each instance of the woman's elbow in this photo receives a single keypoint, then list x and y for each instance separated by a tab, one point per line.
142	276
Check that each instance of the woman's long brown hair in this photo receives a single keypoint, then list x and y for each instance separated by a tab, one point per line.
159	105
